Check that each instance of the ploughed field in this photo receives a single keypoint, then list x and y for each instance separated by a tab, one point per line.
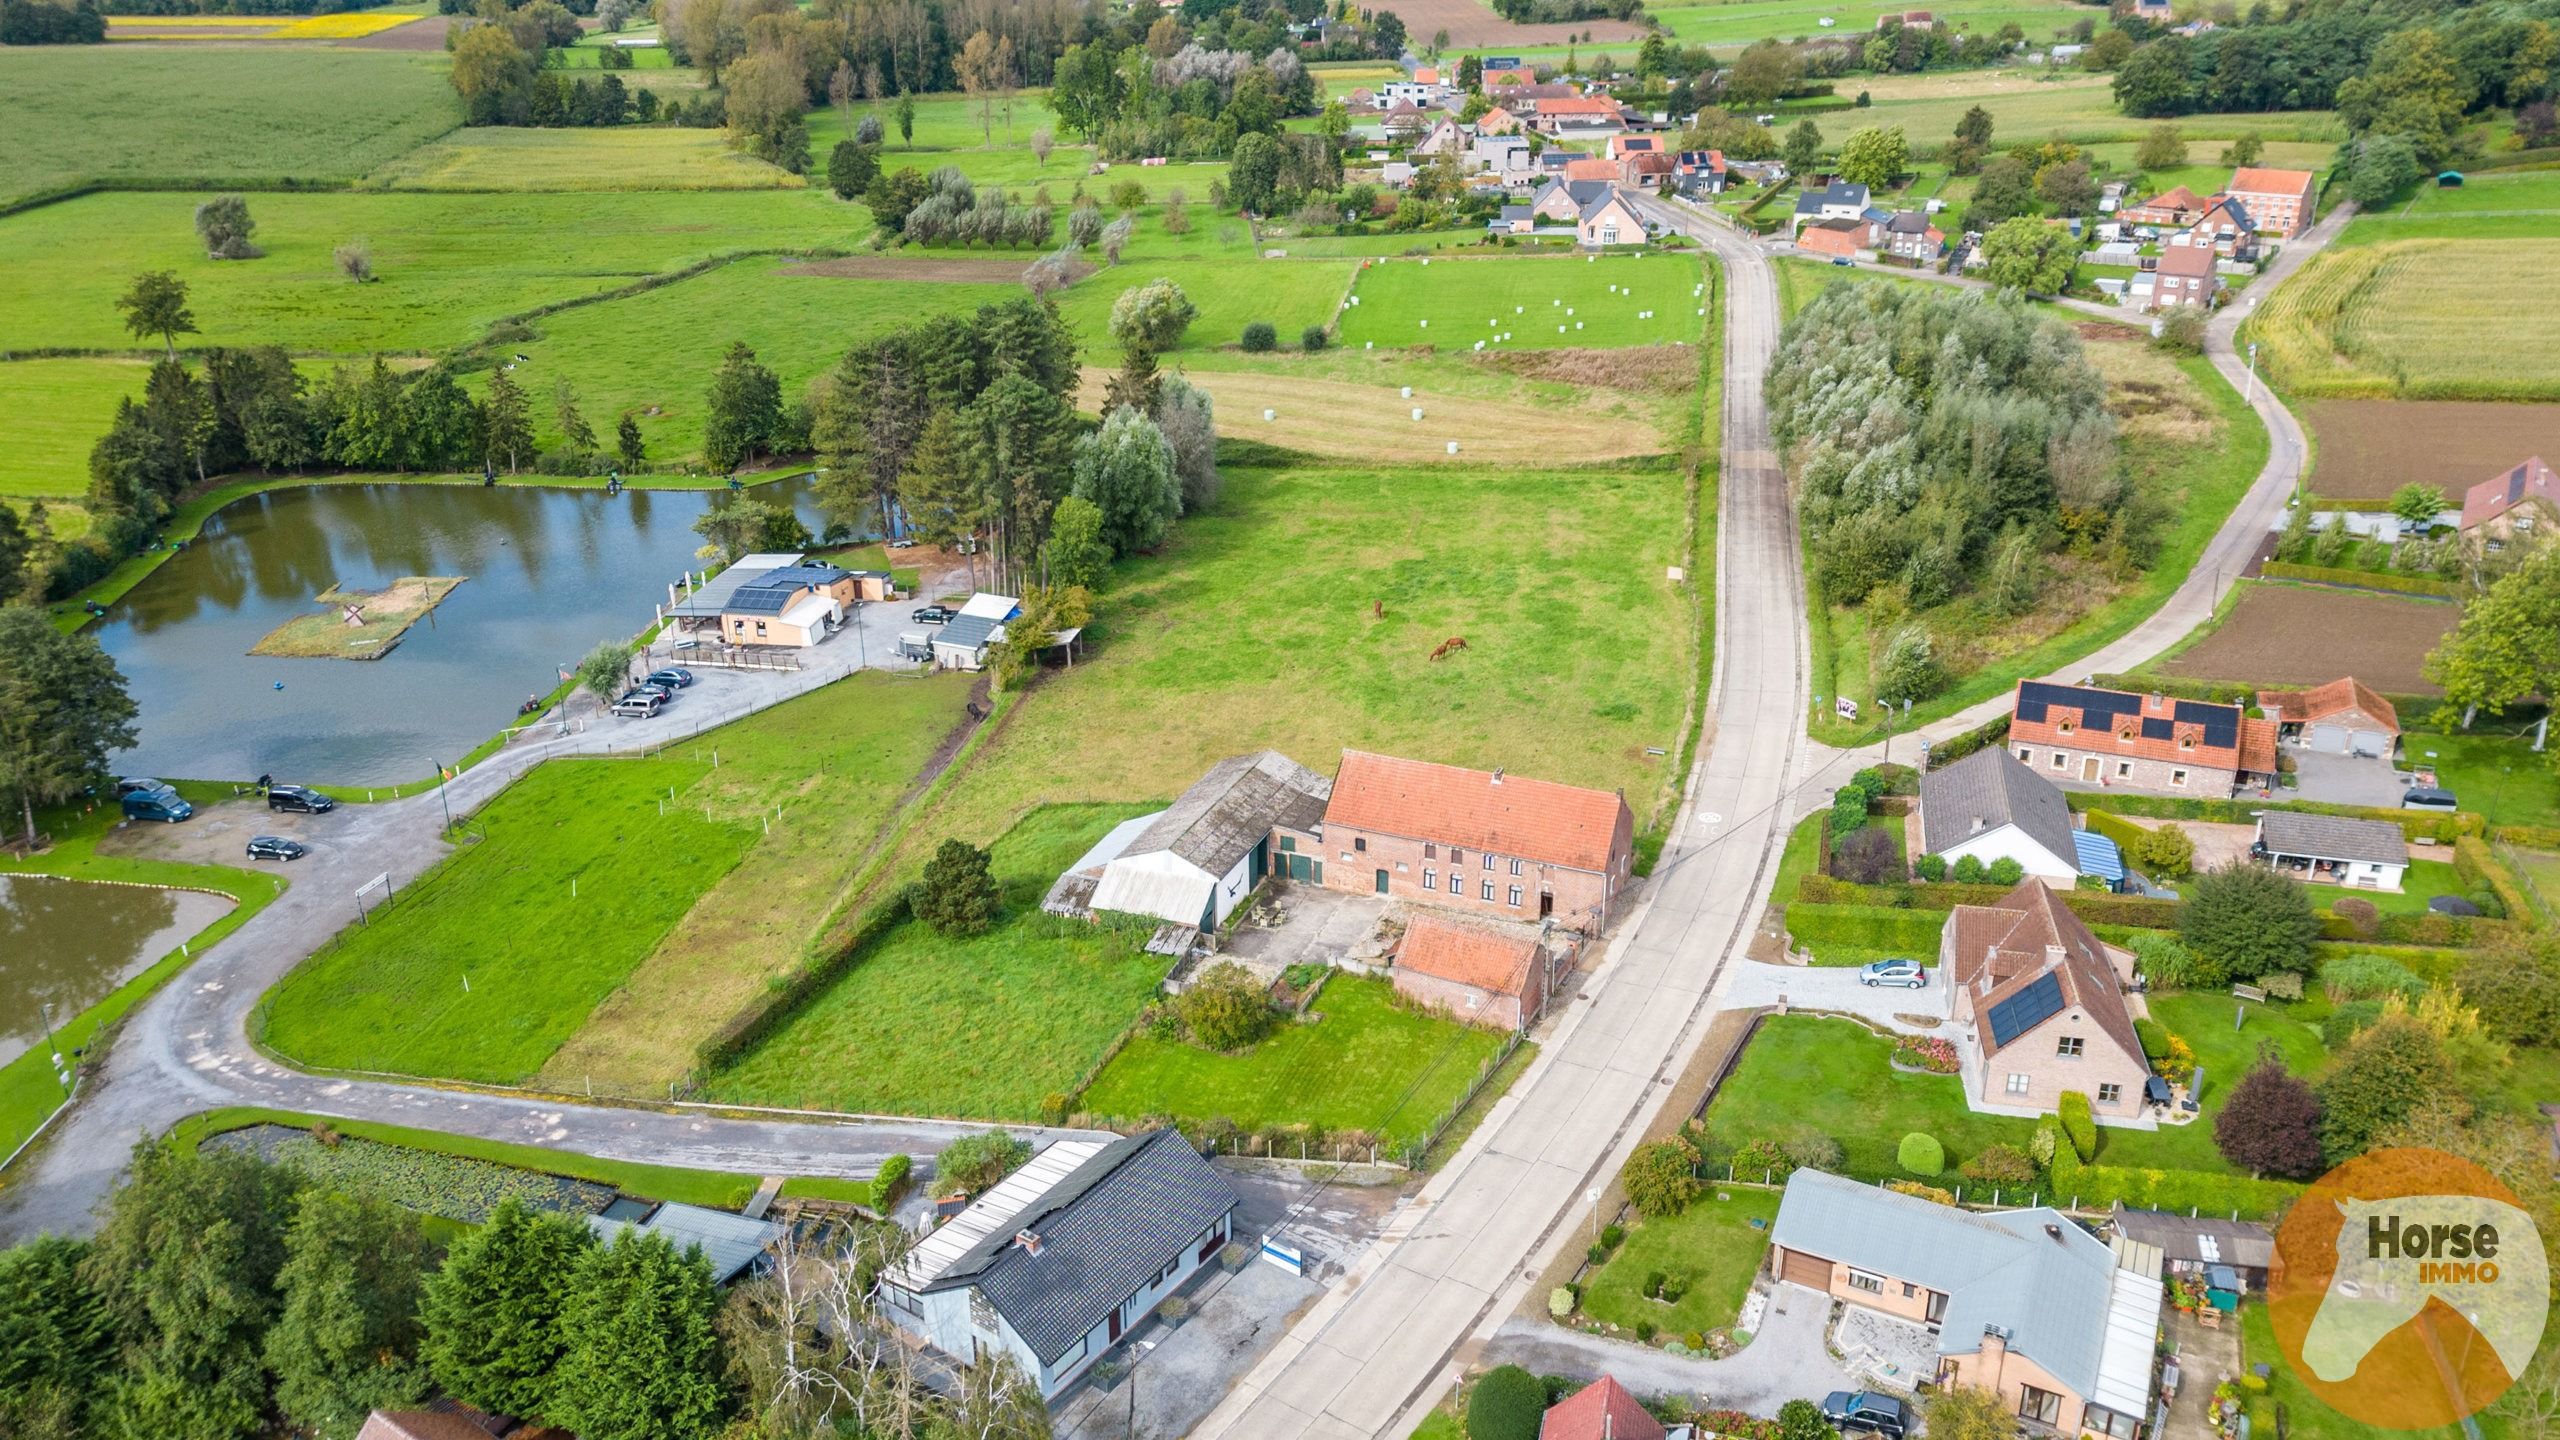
2310	635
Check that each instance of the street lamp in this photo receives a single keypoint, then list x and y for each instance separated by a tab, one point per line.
1141	1347
442	793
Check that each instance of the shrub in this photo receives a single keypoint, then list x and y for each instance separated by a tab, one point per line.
2163	853
2271	1123
1763	1159
2170	965
2516	988
1810	1149
1921	1154
1644	1332
1652	1284
1935	1194
2005	871
2360	913
2282	985
2177	1064
975	1163
2155	1040
1931	867
1224	1008
1612	1235
1560	1301
1928	1052
959	894
1313	338
2078	1125
1259	337
1968	870
2369	977
1673	1287
2000	1165
1507	1404
2249	920
2046	1143
1695	1340
1595	1254
890	1183
1802	1420
1867	856
2346	1020
1659	1180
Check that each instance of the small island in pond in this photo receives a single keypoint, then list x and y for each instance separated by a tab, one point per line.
359	624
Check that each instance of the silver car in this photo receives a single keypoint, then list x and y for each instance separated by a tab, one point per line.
1909	974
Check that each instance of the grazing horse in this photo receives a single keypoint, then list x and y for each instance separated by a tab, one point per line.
1453	643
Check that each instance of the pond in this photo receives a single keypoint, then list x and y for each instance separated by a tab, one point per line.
453	1186
549	573
72	942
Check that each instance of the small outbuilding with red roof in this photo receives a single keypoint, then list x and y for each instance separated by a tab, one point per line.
1493	973
1601	1410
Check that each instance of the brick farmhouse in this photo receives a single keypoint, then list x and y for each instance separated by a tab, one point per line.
2118	740
2044	1003
1486	972
2282	203
2513	503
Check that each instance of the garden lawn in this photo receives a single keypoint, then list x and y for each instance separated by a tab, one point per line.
1734	25
1368	1064
2496	774
450	265
2205	1022
2306	1415
582	876
655	349
982	1027
630	157
1446	303
1713	1245
233	115
2424	880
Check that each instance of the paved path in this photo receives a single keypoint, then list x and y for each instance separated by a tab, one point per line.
1833	989
1787	1359
187	1049
1456	1261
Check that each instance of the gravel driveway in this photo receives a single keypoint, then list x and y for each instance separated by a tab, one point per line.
1835	988
1787	1359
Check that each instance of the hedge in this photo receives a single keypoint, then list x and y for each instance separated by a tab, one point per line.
2531	837
2079	1126
1874	927
2361	579
890	1183
776	1004
2476	864
2122	831
2093	1187
2097	907
2432	825
2212	692
1994	731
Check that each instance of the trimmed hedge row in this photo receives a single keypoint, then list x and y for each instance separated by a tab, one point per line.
2475	864
2097	907
2360	579
1875	927
1994	731
2115	827
2095	1187
2531	837
2414	824
776	1004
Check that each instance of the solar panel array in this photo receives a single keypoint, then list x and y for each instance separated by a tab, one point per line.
2103	709
2025	1010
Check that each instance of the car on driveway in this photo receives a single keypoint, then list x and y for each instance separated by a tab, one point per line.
163	804
299	797
277	847
640	704
672	678
1865	1410
136	785
932	615
1909	974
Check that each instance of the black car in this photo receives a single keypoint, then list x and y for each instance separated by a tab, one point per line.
932	615
1869	1411
277	847
299	797
671	678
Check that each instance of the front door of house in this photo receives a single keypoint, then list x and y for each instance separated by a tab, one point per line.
2089	769
1115	1327
1382	882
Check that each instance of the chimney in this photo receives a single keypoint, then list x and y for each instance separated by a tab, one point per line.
2055	1232
1030	1242
1995	1354
1497	777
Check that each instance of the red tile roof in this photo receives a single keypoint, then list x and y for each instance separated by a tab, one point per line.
2192	262
2504	491
2179	200
1578	105
2185	745
2295	707
1591	169
1537	820
1494	958
2248	180
1601	1410
2004	947
1834	237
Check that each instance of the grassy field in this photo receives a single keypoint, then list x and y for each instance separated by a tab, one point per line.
73	115
1368	1064
2495	771
2035	105
1712	1245
948	132
450	265
986	1026
487	964
59	408
1740	22
28	1090
2416	319
629	158
1542	303
1229	294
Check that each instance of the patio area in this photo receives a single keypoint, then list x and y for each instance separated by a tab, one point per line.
1890	1353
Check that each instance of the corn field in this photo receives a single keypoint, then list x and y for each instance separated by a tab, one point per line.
2413	320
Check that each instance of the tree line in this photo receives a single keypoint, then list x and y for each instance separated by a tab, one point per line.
225	1296
42	22
1947	444
1169	94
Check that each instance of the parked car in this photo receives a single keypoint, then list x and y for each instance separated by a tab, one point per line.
2424	797
1841	260
640	704
134	785
902	544
277	847
1866	1410
299	797
1909	974
932	615
674	677
163	804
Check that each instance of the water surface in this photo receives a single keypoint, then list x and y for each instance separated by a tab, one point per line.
74	941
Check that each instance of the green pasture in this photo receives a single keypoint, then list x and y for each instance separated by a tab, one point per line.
948	133
630	157
2034	105
1738	24
2491	205
450	266
659	347
483	966
985	1026
1367	1064
1229	294
232	115
1544	303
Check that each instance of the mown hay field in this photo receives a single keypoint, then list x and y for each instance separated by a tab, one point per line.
633	157
2423	319
2370	448
2311	635
2025	105
193	115
347	25
1541	302
1738	23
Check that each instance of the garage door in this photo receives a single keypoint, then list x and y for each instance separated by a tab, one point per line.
2328	739
2372	744
1811	1271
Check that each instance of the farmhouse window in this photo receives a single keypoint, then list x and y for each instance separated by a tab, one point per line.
1287	844
1457	856
1430	851
1861	1280
2069	1048
1488	860
1430	879
2177	777
1360	842
2059	760
1909	1290
2025	755
2066	727
1515	867
759	627
1515	897
1488	892
2017	1082
2123	768
1457	883
2109	1094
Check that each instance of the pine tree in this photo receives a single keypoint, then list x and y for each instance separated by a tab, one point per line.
54	1338
506	432
576	434
743	412
493	1312
347	1341
958	895
626	442
643	1359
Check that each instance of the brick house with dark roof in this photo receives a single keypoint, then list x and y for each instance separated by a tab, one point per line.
2043	1004
1493	973
2117	740
2515	502
1476	840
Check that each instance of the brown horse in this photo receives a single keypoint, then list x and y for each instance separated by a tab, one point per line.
1452	644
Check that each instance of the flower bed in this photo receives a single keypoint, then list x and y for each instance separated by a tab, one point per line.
1927	1054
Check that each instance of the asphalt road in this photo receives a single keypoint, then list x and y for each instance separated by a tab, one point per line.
186	1049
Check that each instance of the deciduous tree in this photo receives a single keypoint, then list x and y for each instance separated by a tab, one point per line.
2386	1072
1803	154
63	712
224	225
2507	645
2249	920
1875	156
2271	1123
1126	469
2163	147
156	304
743	412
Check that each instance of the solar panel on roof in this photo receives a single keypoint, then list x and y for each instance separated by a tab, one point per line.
2157	728
2025	1010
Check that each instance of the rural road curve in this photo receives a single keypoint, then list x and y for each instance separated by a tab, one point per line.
186	1049
1456	1261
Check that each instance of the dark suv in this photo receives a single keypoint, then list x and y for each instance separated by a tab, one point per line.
299	797
932	615
1868	1411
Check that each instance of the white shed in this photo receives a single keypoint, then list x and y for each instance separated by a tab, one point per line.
1200	857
